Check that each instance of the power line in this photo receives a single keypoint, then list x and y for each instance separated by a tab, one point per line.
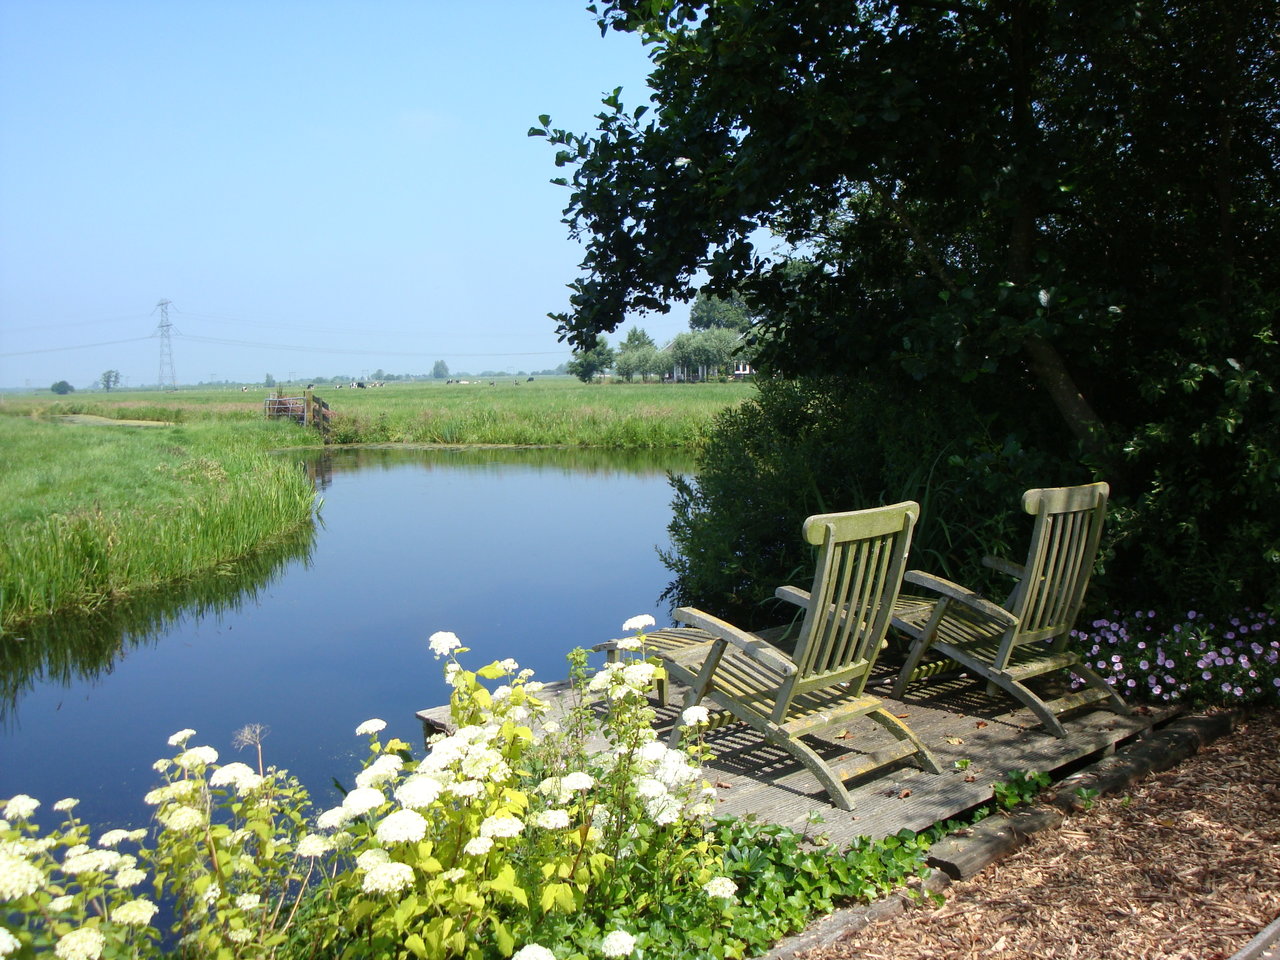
81	346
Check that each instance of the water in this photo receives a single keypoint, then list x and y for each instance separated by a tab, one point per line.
521	553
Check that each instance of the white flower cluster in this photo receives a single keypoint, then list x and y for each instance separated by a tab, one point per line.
238	775
84	943
619	943
622	679
443	643
20	807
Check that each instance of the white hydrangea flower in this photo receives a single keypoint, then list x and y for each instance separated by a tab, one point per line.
418	792
619	943
161	765
211	894
18	878
551	726
630	643
403	826
137	835
648	788
113	838
85	943
578	780
11	944
92	861
370	727
369	859
442	643
134	913
388	878
452	674
196	757
721	887
67	803
509	665
334	818
525	674
501	826
533	951
182	818
130	877
243	935
478	846
248	901
313	845
639	623
467	789
56	905
380	771
363	799
695	716
554	819
639	675
456	875
20	807
663	810
230	774
180	738
501	693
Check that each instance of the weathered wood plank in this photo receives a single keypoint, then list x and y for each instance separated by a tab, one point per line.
959	723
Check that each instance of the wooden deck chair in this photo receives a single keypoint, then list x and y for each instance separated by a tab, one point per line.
1027	636
821	687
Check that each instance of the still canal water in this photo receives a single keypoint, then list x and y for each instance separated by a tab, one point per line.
521	553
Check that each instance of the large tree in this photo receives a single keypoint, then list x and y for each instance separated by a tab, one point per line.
1064	213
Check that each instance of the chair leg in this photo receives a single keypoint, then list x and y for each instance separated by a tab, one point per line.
903	732
1097	683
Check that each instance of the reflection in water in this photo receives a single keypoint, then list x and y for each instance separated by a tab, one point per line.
523	553
87	645
322	464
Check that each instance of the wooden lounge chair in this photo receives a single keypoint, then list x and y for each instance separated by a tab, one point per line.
821	686
1025	637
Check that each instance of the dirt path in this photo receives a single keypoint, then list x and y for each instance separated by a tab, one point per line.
92	420
1184	866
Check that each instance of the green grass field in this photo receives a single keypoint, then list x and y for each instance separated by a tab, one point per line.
89	513
545	411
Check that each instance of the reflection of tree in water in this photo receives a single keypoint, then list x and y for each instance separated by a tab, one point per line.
87	644
321	465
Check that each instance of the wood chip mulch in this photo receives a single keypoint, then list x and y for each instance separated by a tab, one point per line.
1183	866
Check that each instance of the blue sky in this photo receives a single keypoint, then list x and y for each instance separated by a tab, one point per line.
336	186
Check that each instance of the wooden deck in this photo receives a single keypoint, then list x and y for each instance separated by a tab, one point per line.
956	719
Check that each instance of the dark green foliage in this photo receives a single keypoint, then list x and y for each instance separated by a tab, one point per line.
1061	216
62	388
809	446
783	882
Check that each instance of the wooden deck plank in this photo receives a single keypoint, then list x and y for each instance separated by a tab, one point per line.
957	721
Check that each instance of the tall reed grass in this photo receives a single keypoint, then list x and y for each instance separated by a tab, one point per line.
91	514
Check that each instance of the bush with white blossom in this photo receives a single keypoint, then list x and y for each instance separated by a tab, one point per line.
529	831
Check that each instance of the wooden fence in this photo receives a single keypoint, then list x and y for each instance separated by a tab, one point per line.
308	410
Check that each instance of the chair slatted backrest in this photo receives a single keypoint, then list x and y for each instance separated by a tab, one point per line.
861	560
1064	545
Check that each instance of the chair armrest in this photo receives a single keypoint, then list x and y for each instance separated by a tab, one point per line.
793	595
753	646
963	594
1004	566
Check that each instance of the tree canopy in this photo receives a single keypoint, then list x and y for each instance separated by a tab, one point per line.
1063	211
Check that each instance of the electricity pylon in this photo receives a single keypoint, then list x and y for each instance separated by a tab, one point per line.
168	379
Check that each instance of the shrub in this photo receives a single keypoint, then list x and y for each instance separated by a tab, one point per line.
1194	660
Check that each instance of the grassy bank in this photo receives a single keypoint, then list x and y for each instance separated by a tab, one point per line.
545	411
94	513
